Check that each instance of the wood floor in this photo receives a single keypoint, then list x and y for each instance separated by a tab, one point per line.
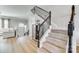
77	49
20	45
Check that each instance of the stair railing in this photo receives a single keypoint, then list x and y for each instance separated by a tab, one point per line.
41	28
40	12
70	29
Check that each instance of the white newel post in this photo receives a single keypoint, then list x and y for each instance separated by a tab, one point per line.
74	41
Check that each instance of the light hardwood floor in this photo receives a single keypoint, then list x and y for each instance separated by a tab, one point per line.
77	49
20	45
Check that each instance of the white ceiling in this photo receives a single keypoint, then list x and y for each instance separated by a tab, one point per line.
21	11
15	10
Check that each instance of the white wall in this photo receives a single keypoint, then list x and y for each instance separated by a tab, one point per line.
60	14
76	20
31	20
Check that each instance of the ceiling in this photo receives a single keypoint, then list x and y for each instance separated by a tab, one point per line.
15	10
21	11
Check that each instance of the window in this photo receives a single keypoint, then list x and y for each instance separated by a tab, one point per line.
6	23
0	23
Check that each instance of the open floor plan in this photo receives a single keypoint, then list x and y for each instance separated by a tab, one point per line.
39	29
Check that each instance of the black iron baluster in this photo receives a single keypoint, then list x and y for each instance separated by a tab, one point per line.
37	35
50	18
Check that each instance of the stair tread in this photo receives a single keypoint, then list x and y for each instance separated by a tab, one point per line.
55	39
57	45
42	50
58	36
52	48
56	42
59	31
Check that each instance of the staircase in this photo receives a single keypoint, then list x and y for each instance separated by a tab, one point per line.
56	42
